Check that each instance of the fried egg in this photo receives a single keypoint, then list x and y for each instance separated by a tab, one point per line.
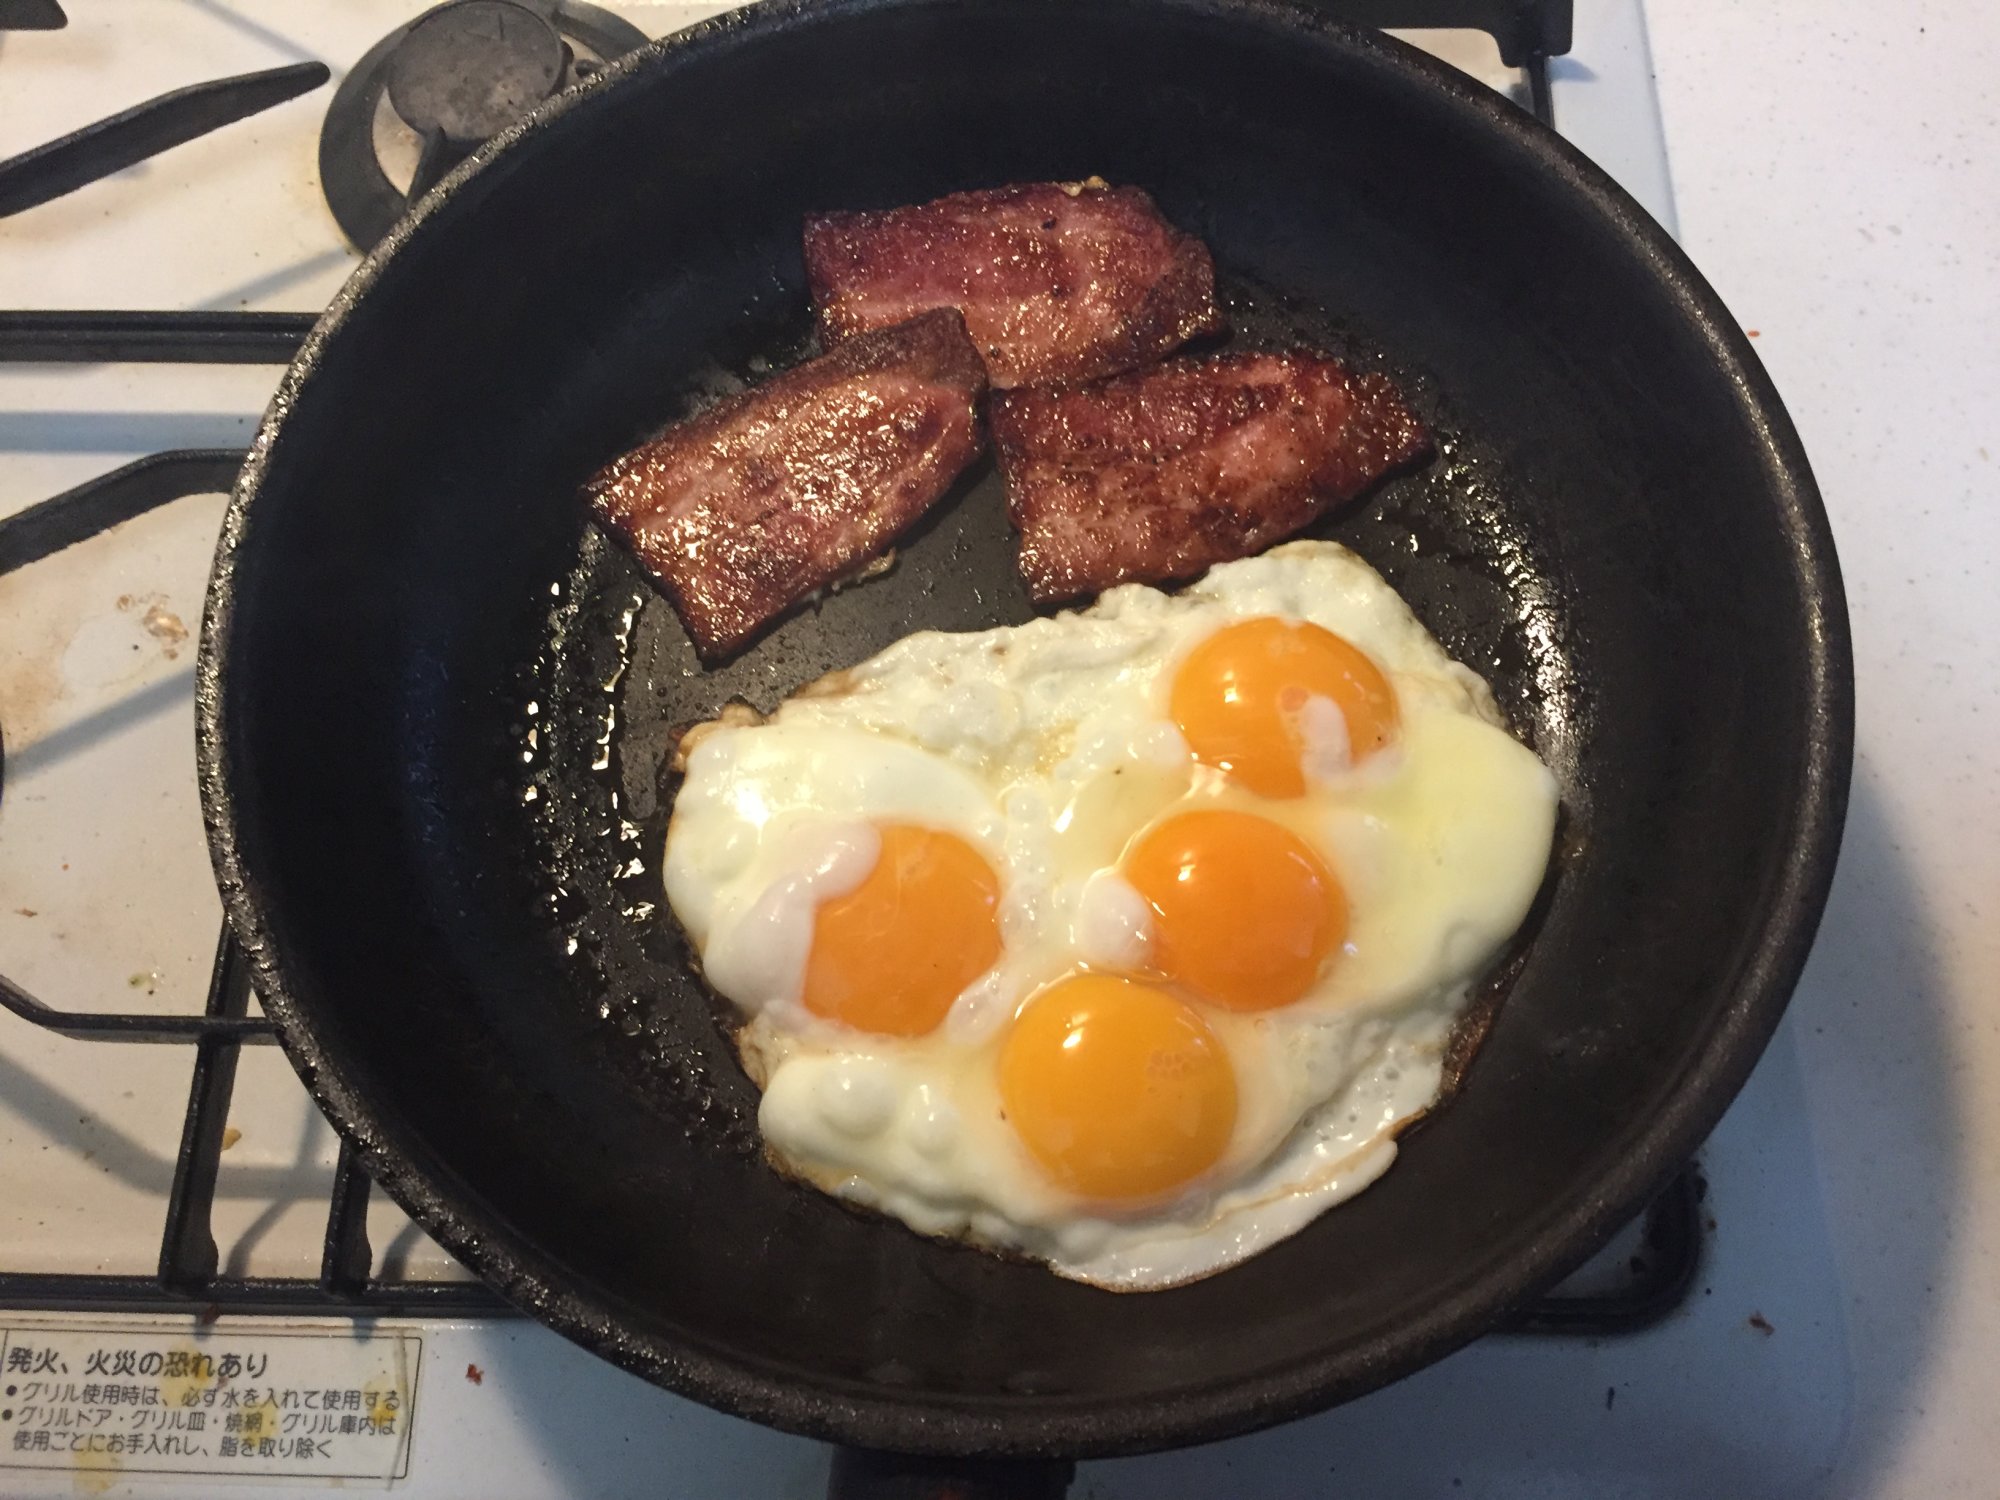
1125	939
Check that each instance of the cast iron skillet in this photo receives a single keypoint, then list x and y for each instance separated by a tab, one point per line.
435	704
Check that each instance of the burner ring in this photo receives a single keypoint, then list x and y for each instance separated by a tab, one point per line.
472	68
365	203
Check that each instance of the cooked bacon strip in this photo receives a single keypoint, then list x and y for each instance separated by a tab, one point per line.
1157	475
1058	281
770	494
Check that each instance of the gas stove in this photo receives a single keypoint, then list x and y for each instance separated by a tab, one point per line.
168	1195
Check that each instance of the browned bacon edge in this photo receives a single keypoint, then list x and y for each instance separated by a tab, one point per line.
1059	282
1161	474
748	507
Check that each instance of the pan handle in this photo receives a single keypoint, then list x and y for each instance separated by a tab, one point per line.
865	1474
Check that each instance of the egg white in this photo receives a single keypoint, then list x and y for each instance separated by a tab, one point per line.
1047	747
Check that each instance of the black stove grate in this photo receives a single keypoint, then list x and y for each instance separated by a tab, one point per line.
187	1278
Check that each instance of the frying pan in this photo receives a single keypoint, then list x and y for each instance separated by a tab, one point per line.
436	707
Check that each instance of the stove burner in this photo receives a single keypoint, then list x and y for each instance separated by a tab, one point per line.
453	78
471	69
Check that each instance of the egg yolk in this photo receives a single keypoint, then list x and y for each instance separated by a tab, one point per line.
1246	914
1118	1089
892	954
1240	700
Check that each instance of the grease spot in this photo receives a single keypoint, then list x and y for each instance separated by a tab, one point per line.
164	626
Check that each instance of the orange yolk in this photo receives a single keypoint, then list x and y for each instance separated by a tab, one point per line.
1119	1090
1240	696
893	953
1246	913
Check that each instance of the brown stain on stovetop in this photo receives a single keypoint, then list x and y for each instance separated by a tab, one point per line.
163	625
39	627
31	679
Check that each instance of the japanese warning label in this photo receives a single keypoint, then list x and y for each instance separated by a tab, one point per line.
321	1405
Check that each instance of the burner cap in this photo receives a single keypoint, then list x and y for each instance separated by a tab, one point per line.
472	68
433	90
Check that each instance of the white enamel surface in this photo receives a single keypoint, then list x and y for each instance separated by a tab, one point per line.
1865	142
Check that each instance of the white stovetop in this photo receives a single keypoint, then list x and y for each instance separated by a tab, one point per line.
1837	165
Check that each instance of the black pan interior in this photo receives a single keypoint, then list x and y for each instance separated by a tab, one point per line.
438	706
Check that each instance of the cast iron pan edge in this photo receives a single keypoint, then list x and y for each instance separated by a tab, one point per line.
853	1415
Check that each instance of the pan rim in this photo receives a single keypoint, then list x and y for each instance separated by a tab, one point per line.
1029	1426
